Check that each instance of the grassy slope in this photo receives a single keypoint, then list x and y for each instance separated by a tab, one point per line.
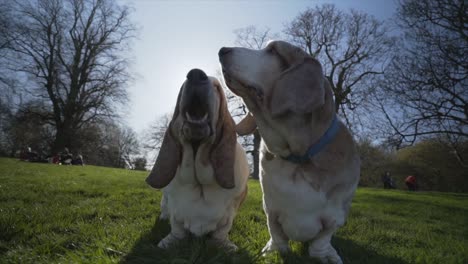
91	214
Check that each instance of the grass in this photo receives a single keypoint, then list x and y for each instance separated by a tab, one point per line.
64	214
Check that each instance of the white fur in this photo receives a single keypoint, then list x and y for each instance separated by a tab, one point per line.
298	208
195	202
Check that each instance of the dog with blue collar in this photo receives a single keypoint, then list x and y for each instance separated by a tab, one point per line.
309	162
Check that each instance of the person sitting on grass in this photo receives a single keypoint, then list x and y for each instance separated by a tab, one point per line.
66	157
78	160
28	155
55	159
410	182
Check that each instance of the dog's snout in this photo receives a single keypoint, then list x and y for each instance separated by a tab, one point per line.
197	75
224	51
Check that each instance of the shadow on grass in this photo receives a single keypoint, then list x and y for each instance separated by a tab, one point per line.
197	250
191	250
349	251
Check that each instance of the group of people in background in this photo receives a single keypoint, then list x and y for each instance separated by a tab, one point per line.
389	183
62	158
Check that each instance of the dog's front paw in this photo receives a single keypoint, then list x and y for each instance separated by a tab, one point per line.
334	259
328	255
226	244
271	246
167	241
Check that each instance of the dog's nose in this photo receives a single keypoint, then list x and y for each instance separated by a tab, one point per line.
224	51
196	75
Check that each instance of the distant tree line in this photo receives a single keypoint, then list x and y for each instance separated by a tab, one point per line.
432	161
63	79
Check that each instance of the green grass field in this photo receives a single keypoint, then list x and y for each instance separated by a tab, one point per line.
63	214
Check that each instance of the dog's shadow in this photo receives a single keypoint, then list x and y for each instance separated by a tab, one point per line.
349	251
190	250
197	250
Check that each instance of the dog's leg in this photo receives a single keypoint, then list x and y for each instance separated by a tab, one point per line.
177	233
278	239
221	235
164	209
322	249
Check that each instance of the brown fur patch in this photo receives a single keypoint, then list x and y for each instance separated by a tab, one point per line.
169	157
223	152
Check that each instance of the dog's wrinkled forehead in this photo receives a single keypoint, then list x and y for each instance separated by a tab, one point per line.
289	53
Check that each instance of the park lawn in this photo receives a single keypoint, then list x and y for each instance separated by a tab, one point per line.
72	214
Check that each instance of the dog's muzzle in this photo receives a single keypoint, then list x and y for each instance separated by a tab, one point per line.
197	103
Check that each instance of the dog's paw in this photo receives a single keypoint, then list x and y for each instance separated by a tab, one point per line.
333	259
326	256
168	241
272	246
227	244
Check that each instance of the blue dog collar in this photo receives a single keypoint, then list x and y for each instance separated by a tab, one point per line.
317	147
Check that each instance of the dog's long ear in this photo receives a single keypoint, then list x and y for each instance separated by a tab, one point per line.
169	157
247	125
300	87
222	155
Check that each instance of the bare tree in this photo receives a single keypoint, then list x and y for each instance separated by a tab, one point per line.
6	81
253	38
4	24
128	146
428	79
139	163
21	128
107	143
352	47
154	135
72	51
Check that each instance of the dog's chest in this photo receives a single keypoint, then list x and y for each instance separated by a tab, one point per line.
194	197
286	189
299	206
198	209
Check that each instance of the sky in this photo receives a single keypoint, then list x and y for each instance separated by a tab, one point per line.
177	36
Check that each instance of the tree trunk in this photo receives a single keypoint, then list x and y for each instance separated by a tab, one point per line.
256	155
63	139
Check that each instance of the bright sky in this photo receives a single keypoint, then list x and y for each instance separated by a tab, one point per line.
176	36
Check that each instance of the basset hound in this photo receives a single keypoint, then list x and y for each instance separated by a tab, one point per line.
201	167
309	162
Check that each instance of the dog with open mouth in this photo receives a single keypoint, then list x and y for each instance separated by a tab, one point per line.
309	162
200	165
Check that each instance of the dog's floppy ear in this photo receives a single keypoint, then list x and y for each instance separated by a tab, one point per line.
299	89
247	125
222	155
169	157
